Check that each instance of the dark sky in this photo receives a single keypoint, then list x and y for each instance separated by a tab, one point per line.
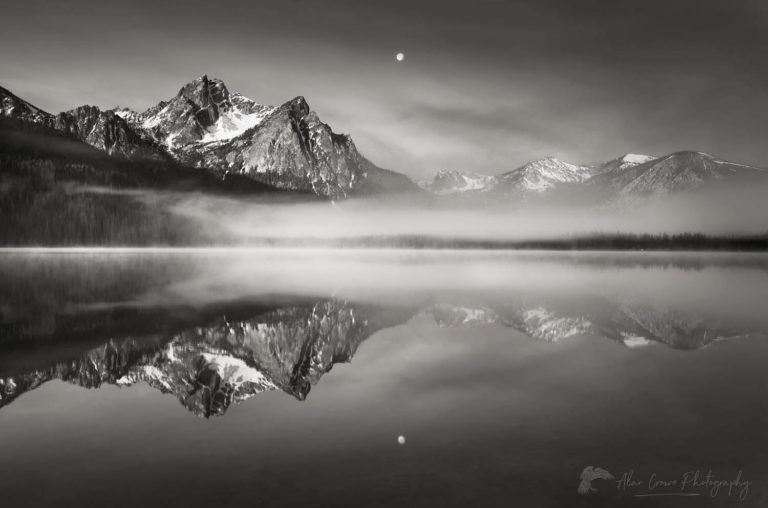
485	86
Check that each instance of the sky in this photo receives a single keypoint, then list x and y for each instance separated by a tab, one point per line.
485	86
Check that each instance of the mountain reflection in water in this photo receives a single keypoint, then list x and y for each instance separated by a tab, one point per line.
216	329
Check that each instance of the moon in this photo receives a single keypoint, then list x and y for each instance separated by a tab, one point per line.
401	439
399	57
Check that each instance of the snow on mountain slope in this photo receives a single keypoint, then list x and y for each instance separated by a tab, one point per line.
627	161
633	159
236	121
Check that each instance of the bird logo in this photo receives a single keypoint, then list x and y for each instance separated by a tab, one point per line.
592	473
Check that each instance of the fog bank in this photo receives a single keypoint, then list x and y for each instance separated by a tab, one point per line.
715	212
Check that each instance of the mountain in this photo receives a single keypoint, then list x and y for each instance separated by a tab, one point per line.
202	112
541	175
14	107
665	176
534	178
205	126
625	181
108	132
452	181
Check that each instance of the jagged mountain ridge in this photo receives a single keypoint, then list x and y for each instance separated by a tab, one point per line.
206	127
101	129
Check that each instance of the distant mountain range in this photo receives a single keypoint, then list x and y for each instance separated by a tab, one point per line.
624	181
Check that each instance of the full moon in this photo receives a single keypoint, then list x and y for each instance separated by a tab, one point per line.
399	57
401	439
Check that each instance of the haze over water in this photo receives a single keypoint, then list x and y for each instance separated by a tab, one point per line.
284	377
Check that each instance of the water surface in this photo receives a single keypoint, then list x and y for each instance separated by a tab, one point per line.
279	378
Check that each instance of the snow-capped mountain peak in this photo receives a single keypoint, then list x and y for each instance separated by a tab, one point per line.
542	175
203	111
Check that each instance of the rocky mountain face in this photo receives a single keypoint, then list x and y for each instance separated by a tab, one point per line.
205	126
101	129
626	181
108	132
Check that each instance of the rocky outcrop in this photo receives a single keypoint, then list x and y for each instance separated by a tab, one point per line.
107	131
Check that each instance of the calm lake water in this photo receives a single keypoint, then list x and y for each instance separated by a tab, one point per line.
285	378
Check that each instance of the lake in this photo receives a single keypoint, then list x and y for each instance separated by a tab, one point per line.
209	377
